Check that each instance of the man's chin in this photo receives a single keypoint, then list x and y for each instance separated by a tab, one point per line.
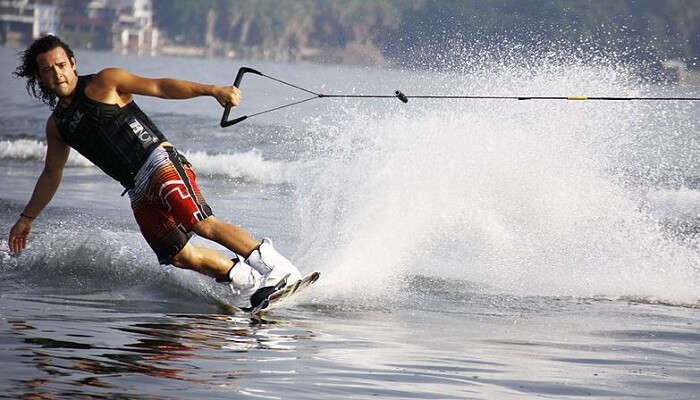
61	93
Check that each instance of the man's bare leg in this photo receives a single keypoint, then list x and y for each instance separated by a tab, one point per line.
262	257
230	236
203	260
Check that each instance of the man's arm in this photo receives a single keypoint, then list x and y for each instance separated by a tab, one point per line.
56	156
126	83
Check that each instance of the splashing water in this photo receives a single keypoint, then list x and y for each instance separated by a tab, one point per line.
27	149
249	166
526	198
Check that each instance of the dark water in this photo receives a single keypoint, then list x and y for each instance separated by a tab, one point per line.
467	250
72	346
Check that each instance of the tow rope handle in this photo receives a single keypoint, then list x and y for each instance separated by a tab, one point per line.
404	98
239	77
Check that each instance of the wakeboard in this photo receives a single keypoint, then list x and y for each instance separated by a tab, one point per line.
266	298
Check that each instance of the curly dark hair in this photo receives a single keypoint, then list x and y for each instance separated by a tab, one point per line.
29	69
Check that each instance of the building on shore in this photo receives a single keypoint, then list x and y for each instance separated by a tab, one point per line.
24	20
133	29
125	26
121	25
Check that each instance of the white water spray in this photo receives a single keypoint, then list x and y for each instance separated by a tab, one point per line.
526	198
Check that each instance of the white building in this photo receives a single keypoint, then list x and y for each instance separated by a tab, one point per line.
134	31
46	20
24	20
132	24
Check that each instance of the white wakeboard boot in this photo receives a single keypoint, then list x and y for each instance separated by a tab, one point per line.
272	266
242	279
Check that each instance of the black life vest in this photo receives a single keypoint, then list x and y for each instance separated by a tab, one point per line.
116	139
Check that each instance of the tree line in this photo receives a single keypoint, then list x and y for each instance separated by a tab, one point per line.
401	29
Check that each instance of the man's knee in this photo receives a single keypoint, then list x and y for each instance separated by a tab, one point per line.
207	228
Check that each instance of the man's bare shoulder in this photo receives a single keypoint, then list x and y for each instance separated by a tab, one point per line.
107	86
110	76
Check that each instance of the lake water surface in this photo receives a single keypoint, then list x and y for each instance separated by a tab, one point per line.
468	249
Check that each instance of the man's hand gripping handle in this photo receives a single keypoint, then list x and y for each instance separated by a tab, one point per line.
227	109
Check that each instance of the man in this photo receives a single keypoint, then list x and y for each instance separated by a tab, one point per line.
97	116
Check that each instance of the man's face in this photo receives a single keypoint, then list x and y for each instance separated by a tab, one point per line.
57	72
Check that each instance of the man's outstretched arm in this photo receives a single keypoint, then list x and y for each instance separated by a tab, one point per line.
127	83
56	155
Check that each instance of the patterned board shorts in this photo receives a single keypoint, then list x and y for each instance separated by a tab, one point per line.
167	202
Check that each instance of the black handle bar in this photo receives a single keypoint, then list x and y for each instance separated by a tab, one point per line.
239	77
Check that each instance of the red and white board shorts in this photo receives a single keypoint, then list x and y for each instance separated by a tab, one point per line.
167	202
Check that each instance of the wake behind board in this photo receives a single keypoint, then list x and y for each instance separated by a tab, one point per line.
274	295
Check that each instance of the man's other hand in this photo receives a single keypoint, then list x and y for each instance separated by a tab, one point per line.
19	234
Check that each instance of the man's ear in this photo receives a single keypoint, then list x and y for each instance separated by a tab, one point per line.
74	63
